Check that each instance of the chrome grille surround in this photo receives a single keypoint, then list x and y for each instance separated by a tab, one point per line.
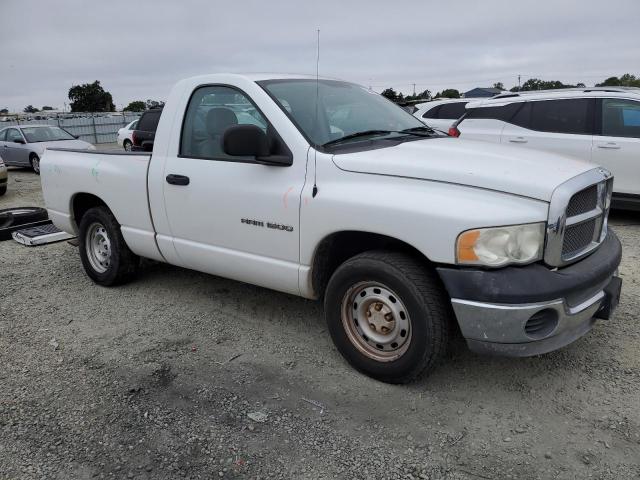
570	238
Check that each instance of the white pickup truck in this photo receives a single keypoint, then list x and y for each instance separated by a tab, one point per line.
324	189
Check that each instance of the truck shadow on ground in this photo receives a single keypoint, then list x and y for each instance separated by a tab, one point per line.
258	317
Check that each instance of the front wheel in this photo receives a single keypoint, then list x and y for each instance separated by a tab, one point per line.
34	160
388	315
105	256
127	145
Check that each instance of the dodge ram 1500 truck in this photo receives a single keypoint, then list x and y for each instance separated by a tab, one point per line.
324	189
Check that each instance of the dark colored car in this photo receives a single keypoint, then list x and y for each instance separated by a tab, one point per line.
145	132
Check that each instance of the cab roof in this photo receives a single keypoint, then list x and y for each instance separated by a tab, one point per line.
258	77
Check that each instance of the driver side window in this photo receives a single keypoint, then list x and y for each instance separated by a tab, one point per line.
13	134
211	111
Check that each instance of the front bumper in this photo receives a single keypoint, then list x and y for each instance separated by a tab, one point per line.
523	311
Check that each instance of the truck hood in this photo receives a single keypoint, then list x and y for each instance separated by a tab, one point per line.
503	168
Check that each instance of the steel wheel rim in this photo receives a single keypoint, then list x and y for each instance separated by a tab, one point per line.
98	247
376	321
127	146
35	162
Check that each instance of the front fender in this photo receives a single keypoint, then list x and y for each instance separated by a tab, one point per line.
424	214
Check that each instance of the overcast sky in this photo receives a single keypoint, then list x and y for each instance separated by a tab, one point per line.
138	49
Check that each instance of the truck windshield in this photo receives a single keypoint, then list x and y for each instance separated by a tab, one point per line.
45	134
343	110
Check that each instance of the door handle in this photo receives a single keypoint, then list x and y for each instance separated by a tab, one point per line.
518	140
611	145
177	179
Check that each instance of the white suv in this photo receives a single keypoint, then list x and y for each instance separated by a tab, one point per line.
441	114
600	125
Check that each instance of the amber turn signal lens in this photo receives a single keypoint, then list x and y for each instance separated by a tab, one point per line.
466	242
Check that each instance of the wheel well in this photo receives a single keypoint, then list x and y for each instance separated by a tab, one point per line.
33	154
83	202
338	247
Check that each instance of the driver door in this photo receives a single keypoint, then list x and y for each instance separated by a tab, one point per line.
15	153
232	216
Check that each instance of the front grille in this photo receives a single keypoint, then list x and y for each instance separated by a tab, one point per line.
578	213
583	201
578	237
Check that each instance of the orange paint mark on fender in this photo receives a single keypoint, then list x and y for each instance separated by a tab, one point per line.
284	198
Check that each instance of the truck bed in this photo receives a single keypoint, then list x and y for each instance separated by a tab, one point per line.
119	179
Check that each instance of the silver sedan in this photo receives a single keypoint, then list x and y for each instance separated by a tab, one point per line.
23	146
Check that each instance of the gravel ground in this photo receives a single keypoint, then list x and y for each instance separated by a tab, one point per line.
184	375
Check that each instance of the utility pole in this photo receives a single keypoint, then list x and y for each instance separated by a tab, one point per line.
518	82
414	89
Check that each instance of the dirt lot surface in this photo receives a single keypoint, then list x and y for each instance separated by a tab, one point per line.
184	375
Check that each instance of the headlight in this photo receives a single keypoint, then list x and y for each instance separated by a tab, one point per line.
499	246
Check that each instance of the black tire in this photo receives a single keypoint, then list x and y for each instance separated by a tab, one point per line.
418	289
34	160
3	190
127	143
123	263
12	219
21	215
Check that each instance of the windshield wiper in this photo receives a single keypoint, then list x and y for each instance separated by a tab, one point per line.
423	131
415	130
358	134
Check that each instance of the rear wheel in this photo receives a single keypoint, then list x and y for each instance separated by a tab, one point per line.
35	163
3	190
127	145
388	315
105	256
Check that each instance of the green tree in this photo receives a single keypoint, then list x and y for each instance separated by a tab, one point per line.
626	80
4	111
448	93
136	106
537	84
90	97
30	109
391	94
154	104
609	82
499	85
424	95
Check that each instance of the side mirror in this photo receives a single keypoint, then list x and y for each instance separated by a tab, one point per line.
245	141
251	141
18	140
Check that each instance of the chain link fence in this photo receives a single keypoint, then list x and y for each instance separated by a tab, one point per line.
91	127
